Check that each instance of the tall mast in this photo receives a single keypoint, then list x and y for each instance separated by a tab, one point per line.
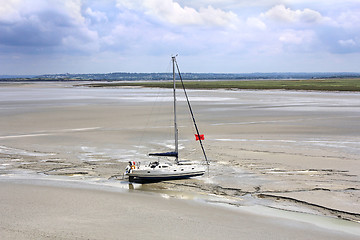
175	124
192	114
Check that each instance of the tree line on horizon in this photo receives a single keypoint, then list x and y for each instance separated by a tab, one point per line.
125	76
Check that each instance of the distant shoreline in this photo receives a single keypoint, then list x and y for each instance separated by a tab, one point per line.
323	84
335	84
133	76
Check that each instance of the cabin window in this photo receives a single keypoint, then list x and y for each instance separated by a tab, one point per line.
148	171
174	170
182	169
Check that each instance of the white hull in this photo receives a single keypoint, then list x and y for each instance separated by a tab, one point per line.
165	172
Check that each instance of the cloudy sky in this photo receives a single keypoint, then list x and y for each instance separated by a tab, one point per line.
226	36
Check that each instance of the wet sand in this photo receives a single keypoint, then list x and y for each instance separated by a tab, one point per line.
40	212
282	149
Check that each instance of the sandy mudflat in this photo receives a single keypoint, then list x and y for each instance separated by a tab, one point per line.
39	212
291	150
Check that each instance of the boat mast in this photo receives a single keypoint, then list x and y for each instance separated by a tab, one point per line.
191	112
175	124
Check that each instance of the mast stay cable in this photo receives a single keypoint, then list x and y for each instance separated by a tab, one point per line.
191	112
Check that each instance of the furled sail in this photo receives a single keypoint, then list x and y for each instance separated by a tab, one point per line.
165	154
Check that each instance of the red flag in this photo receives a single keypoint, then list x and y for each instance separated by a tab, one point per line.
199	137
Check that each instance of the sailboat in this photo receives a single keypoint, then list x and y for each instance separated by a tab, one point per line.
159	170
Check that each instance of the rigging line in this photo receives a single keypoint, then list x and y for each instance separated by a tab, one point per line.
148	121
191	112
156	110
153	117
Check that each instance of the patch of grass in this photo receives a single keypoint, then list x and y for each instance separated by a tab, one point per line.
336	84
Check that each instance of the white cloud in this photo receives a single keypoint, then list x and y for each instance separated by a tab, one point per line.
220	29
349	19
96	16
347	43
172	12
72	8
256	23
45	26
9	11
297	37
282	14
